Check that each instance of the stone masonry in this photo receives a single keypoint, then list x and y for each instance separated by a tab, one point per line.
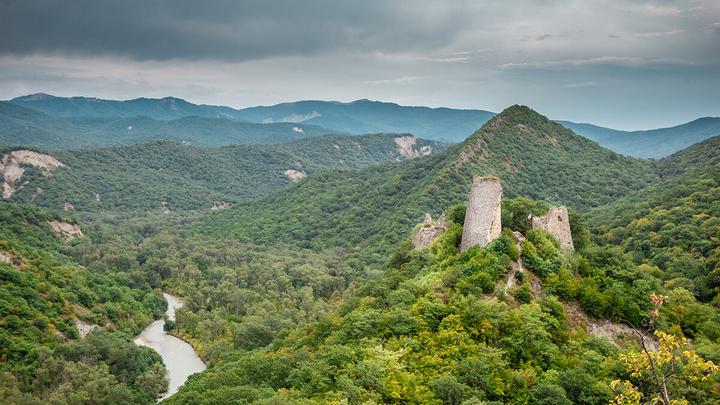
557	223
482	217
429	230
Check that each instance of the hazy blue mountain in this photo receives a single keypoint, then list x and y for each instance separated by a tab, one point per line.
654	143
360	117
357	117
21	126
364	116
165	108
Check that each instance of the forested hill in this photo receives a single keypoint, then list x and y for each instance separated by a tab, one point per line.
532	155
43	293
673	225
21	126
185	177
516	322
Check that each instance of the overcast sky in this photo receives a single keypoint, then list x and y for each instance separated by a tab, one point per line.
627	64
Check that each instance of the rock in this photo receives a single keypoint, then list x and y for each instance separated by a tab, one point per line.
295	175
68	207
165	207
406	147
220	205
557	223
7	258
65	231
482	218
12	167
428	231
84	328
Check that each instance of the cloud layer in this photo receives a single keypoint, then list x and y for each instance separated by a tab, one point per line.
624	63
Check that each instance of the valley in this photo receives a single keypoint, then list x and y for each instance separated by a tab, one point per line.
301	283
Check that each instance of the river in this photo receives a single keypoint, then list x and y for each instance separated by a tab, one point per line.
179	357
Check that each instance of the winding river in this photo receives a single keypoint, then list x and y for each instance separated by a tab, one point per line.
179	357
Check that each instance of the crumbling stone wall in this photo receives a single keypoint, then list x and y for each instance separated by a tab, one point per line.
557	223
482	217
429	230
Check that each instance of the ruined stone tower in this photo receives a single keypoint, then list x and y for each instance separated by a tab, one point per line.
482	217
428	231
557	223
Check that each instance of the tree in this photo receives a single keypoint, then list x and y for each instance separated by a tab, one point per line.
673	361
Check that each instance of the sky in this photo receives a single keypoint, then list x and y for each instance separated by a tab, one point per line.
625	64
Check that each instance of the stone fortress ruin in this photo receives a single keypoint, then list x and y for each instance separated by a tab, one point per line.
483	219
557	223
428	231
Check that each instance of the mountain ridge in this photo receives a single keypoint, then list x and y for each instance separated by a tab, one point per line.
368	116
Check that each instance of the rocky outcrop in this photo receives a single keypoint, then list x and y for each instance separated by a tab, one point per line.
220	205
406	147
7	258
295	175
84	328
428	231
165	207
13	166
557	223
482	217
65	231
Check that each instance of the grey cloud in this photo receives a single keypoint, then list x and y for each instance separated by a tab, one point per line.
222	29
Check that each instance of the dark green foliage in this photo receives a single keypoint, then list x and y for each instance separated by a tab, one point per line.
516	213
523	293
674	224
141	177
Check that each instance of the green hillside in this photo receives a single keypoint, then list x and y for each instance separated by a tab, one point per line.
375	207
42	292
440	327
673	225
141	177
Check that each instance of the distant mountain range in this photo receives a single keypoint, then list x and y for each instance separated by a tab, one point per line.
357	117
20	126
653	143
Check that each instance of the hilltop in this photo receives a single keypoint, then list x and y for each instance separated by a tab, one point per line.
533	156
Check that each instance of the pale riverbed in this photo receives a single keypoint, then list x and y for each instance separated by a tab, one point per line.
179	357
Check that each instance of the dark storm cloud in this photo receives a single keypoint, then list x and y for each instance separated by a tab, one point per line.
630	64
222	29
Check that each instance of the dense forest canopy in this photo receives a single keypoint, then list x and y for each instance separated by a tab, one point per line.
312	292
